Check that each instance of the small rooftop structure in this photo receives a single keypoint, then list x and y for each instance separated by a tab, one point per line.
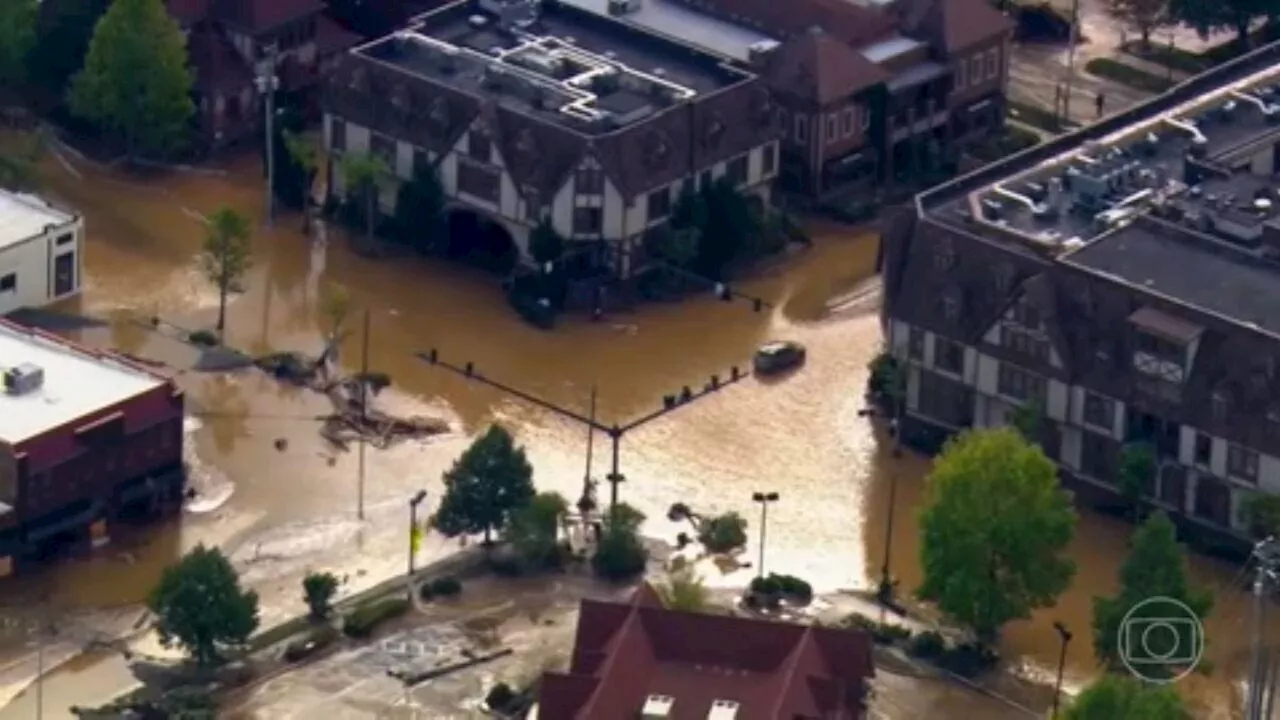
562	65
50	382
24	216
673	20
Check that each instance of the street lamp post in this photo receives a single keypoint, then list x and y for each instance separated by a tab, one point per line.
414	502
1065	635
885	591
268	82
764	499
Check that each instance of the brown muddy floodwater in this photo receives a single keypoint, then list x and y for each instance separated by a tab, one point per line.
296	509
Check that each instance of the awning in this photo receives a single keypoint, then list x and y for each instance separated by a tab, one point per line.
1166	326
52	527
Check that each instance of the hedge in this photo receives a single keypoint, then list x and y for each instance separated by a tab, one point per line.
1127	75
361	622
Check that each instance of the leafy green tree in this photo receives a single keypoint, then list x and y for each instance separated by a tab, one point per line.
1028	420
683	590
994	529
1117	697
226	255
17	36
534	529
620	553
361	175
723	533
1136	474
678	246
200	606
545	244
135	82
1155	568
1145	16
1263	512
1208	16
419	220
318	590
304	162
486	485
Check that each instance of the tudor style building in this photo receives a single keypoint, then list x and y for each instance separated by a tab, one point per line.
1124	279
529	113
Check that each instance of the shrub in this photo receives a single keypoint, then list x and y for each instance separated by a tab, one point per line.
724	533
927	645
203	338
446	587
500	697
425	593
362	621
318	590
768	585
619	556
315	641
858	621
888	633
794	588
968	659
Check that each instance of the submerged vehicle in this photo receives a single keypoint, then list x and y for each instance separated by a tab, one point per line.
778	357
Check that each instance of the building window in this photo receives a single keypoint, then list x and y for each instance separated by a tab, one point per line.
802	127
337	134
659	204
768	160
944	256
588	181
1160	351
1099	455
66	239
9	282
915	344
735	171
951	306
1218	406
587	221
1203	450
1099	411
960	75
833	127
865	114
479	146
993	63
383	148
421	161
945	399
1026	315
1016	383
948	355
975	69
479	181
846	122
1024	343
1242	463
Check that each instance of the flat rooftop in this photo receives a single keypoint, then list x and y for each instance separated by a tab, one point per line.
1201	273
23	216
672	20
77	382
567	66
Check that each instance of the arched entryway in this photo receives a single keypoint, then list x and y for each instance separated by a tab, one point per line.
480	241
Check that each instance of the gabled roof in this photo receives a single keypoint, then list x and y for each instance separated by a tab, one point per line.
775	671
954	25
539	155
215	63
817	67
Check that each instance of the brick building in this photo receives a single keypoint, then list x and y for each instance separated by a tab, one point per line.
86	438
641	660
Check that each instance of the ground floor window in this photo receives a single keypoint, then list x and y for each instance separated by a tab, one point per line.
1099	456
945	399
1213	500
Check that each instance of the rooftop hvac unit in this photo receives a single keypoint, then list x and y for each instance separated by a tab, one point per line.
622	7
477	21
23	379
723	710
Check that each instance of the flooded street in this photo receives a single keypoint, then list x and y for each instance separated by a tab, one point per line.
295	509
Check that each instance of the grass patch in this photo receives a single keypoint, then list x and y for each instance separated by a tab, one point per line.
1127	75
1038	117
1010	141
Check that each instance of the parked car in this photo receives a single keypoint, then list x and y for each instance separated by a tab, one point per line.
778	357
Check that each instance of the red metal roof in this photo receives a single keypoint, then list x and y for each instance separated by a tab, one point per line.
625	653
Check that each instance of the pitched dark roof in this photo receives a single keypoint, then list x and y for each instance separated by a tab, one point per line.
817	67
847	21
261	15
775	671
954	25
217	66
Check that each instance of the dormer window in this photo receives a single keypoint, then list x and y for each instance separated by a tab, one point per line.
1162	344
1026	315
1219	405
944	257
1273	422
951	305
1003	279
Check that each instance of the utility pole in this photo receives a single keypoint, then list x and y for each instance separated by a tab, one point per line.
364	413
267	84
1267	554
587	502
1073	37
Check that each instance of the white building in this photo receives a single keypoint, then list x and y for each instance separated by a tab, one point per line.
41	252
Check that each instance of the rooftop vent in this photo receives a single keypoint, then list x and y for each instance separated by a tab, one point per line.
723	710
23	379
657	707
758	52
478	21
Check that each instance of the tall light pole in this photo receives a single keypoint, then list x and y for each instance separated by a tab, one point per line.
267	83
764	499
414	502
885	591
1065	636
